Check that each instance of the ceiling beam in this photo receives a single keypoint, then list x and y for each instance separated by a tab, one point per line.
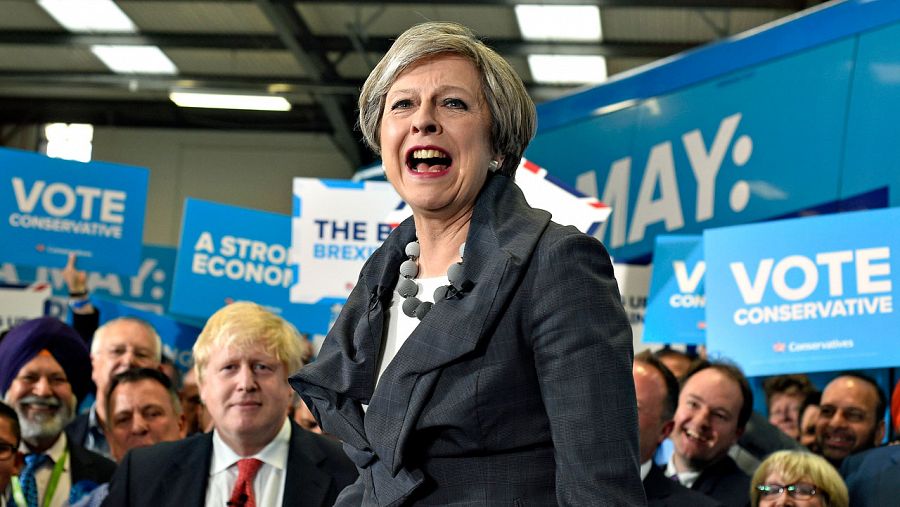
299	40
158	114
508	47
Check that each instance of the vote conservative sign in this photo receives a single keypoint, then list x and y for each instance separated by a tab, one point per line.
807	294
228	253
676	310
51	207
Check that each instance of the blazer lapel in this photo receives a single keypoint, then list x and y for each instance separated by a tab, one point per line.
187	475
305	484
501	238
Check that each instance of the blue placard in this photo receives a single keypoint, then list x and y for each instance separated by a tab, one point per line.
51	207
676	305
149	289
227	254
807	294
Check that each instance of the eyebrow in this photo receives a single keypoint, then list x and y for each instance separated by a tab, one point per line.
439	90
711	408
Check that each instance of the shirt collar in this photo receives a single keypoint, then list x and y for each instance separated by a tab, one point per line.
645	469
55	451
275	453
686	478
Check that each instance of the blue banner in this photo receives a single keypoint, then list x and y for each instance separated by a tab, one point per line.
51	207
806	294
149	289
676	306
228	254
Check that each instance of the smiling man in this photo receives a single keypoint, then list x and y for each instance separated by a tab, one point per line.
255	456
851	417
118	345
713	409
44	370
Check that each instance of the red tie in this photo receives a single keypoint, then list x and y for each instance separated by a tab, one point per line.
242	494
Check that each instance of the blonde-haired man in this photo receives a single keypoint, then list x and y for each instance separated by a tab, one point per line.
255	456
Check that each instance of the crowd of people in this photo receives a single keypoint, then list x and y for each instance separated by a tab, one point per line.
143	441
816	448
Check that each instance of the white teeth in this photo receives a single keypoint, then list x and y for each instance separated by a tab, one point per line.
429	154
694	435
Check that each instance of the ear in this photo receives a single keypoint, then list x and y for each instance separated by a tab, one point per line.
182	425
665	431
739	433
18	463
879	432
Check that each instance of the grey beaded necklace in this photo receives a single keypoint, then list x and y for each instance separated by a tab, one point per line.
407	287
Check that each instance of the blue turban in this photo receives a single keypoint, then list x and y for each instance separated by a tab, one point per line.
29	338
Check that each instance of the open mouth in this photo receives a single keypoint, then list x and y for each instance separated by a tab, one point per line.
703	440
428	160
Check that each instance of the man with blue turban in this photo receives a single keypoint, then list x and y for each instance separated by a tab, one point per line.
44	371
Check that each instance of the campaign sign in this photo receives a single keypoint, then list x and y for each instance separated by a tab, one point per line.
227	254
52	207
19	303
177	338
676	309
149	289
810	294
336	226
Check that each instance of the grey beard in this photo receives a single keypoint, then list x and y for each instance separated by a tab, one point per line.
43	427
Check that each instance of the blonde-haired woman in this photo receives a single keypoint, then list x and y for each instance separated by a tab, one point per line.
797	478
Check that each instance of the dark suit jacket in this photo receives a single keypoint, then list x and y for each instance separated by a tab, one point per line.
514	390
725	482
663	492
89	466
177	473
873	477
77	430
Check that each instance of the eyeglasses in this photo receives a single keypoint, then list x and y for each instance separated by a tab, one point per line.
799	491
6	451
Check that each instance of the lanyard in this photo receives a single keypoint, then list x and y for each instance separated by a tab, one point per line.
19	496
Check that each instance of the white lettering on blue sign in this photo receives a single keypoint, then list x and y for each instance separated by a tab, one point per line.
659	197
70	209
242	259
870	265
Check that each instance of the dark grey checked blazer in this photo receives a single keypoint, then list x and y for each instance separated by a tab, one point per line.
515	391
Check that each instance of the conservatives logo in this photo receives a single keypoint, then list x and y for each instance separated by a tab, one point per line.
813	346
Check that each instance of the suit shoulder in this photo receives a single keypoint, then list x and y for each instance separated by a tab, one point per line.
163	450
88	465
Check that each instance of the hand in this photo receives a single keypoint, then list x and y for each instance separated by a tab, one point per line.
75	280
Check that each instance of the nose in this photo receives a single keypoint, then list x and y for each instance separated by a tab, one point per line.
139	425
129	358
246	378
424	121
42	387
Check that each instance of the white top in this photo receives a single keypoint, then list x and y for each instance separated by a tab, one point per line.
43	474
268	485
399	325
686	478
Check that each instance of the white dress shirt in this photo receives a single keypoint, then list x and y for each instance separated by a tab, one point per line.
43	474
645	469
686	478
268	485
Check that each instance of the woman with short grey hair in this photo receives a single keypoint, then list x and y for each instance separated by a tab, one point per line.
484	356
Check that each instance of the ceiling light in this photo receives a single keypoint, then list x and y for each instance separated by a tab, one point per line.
88	15
567	69
559	22
135	59
230	101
